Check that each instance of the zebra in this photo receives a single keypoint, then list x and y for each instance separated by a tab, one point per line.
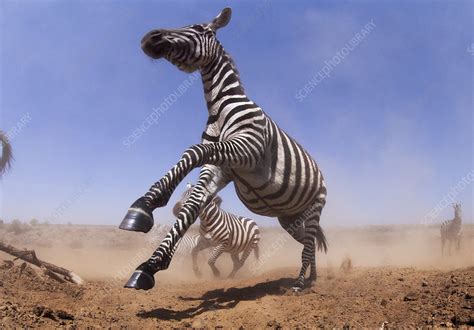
224	231
272	174
451	230
7	156
186	245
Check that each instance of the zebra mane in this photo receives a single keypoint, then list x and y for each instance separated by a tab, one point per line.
233	65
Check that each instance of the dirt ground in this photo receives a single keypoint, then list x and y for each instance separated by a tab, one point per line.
398	279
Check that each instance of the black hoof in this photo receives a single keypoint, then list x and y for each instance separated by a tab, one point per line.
140	280
139	217
298	287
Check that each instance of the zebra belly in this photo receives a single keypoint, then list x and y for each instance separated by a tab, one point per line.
286	182
274	198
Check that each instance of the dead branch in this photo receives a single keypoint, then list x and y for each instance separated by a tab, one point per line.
49	269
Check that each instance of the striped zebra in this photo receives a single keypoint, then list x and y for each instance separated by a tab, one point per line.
186	245
6	159
224	231
273	175
451	230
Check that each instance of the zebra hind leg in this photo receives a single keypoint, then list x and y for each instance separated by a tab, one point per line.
241	262
306	230
218	250
296	229
236	262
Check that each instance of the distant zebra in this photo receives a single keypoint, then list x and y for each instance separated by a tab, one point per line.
224	231
186	245
451	230
6	158
273	175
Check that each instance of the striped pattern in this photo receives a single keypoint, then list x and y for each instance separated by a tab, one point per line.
273	175
187	243
224	231
451	230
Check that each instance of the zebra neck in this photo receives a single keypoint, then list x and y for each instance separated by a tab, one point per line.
208	213
221	80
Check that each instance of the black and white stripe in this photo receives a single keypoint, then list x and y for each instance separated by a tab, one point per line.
273	175
188	243
224	231
451	230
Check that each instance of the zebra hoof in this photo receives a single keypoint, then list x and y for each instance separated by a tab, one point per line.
297	289
299	286
138	218
140	280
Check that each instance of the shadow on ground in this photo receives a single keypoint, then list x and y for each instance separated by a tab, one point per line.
222	299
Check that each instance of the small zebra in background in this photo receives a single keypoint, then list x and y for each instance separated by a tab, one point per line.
224	231
451	230
186	245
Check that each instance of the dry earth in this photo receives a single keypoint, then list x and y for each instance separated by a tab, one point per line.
399	279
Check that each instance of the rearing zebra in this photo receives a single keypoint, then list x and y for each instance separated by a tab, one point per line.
451	230
224	231
272	174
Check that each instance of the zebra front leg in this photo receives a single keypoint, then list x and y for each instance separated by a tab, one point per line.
211	180
235	153
235	261
216	253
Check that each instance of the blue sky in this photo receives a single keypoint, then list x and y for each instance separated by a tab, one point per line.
391	127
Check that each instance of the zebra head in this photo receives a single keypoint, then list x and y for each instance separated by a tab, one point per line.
457	211
186	194
188	48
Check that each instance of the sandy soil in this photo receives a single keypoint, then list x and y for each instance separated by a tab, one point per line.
398	279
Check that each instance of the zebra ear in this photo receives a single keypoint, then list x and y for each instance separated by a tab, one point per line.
222	19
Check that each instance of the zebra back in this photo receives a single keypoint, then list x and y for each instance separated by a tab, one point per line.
221	227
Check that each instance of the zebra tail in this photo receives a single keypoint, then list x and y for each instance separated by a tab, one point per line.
256	251
321	239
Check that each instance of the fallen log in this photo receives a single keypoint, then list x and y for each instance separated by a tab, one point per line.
49	269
